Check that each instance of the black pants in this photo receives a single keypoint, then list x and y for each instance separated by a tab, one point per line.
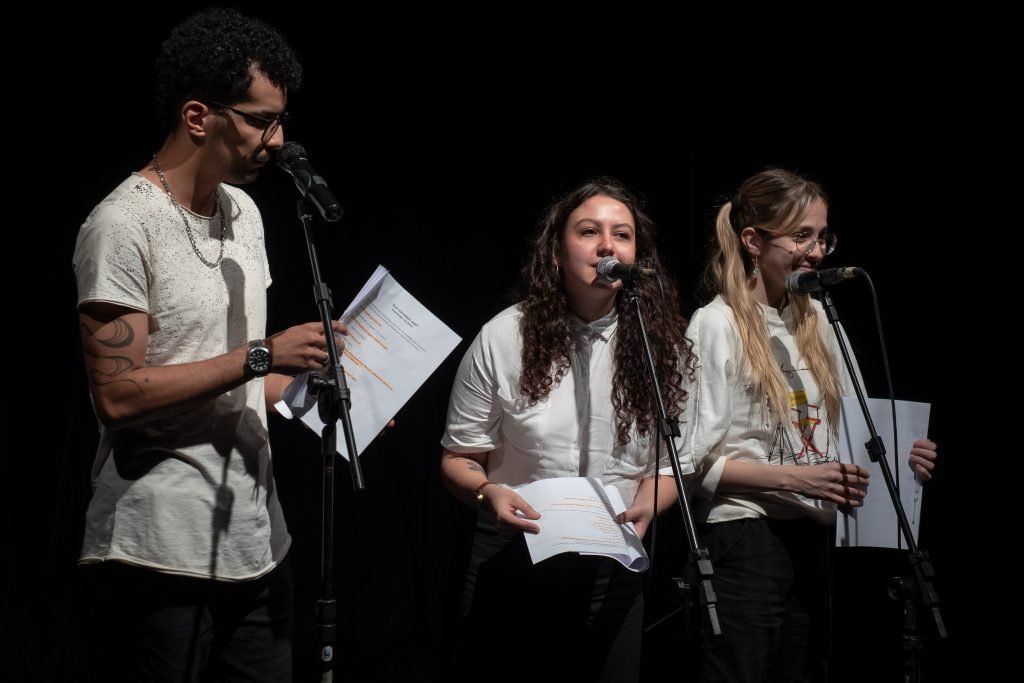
771	581
567	618
142	625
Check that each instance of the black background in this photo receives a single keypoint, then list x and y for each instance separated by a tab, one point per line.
445	135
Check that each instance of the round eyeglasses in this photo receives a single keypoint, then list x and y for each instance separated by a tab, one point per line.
805	242
268	126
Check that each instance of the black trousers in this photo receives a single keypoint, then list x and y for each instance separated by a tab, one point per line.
142	625
772	584
580	615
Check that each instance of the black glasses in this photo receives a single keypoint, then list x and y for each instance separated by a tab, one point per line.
268	126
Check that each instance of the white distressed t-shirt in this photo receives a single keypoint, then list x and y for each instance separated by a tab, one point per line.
191	492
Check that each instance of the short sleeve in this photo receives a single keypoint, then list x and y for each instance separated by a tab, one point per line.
715	341
111	259
474	411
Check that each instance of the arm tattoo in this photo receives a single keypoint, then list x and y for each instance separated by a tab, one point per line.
120	335
474	466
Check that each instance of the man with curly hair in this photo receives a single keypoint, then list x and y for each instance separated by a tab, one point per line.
185	543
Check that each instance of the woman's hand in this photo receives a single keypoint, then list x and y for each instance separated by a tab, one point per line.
922	458
511	509
844	484
640	514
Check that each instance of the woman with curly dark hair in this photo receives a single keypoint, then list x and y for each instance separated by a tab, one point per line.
557	386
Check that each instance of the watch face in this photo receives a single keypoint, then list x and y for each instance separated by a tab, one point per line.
259	360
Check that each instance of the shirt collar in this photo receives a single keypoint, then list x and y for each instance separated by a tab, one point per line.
602	327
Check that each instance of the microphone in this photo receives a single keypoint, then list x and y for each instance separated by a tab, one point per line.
610	269
807	281
292	158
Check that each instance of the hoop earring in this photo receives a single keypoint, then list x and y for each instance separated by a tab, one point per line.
757	267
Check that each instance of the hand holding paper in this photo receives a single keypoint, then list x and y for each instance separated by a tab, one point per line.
876	524
394	344
511	509
578	515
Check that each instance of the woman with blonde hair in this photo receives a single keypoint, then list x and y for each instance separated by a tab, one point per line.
764	435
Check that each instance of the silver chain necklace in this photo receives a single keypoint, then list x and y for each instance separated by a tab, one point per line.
188	226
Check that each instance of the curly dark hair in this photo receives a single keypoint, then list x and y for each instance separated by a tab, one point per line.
547	327
210	56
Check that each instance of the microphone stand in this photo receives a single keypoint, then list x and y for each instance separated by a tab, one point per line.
920	588
700	560
333	401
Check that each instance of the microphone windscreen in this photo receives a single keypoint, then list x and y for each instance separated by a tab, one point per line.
605	267
793	282
289	153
